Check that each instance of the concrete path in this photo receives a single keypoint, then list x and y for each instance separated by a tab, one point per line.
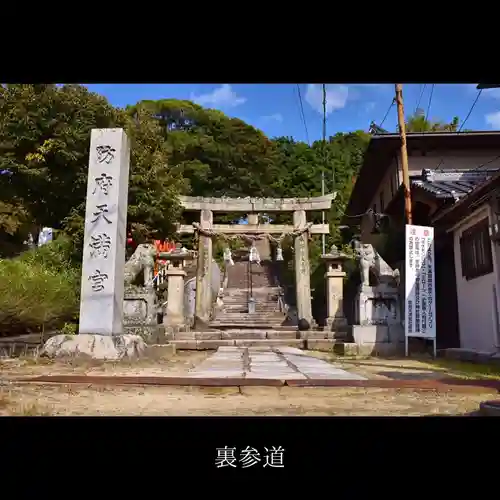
287	363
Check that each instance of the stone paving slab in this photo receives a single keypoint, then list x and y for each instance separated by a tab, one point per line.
268	363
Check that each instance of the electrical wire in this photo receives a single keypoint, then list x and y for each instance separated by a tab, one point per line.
486	163
387	112
470	111
302	113
422	90
323	236
460	129
430	101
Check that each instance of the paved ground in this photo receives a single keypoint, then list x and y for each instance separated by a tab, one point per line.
93	395
286	363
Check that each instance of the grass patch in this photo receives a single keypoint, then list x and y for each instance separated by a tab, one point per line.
39	289
29	410
453	368
465	370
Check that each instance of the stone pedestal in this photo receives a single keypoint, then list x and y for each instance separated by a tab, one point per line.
203	276
175	297
378	329
140	312
99	347
102	289
302	268
377	305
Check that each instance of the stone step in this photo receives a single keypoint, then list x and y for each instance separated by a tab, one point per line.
235	335
250	318
225	325
263	315
243	319
215	344
255	290
243	299
244	305
321	335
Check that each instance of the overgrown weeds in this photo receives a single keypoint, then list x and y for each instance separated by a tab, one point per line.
39	289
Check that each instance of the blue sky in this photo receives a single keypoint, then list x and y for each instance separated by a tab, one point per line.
275	109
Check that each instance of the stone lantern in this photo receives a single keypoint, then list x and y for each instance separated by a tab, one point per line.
175	274
336	321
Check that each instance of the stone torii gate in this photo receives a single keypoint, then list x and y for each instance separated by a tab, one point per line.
252	207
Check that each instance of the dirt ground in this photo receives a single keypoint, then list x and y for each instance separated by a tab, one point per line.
315	401
50	399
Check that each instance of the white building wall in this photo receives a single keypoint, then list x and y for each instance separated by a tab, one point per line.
477	312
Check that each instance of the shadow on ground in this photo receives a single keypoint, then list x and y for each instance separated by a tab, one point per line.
380	365
397	375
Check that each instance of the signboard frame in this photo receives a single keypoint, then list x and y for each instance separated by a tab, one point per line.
420	286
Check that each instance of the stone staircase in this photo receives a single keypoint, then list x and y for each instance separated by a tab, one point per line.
233	325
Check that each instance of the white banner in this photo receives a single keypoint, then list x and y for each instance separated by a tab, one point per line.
420	294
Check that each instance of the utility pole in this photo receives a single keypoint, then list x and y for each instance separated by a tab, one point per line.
323	240
404	152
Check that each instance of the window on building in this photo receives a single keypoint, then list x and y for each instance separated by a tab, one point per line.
475	251
382	204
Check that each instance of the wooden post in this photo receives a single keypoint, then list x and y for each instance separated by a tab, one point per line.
404	153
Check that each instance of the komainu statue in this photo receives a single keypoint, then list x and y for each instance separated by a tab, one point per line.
142	260
370	260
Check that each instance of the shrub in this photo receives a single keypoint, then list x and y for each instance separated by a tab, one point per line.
39	289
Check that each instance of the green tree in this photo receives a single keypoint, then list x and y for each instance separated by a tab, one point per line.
418	123
44	143
220	156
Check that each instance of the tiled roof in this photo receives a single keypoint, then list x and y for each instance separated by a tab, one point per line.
452	184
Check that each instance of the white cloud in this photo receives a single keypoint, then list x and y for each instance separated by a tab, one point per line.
369	106
493	119
276	117
223	96
336	97
495	93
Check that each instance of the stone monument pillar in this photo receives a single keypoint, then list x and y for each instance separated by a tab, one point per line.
204	271
302	268
102	289
336	321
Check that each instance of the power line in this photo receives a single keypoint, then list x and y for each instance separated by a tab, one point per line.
430	101
302	113
470	111
323	240
486	163
422	90
387	112
460	129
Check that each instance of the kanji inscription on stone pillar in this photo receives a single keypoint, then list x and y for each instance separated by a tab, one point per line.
101	304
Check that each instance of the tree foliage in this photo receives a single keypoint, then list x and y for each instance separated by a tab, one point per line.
220	156
44	144
419	123
177	147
